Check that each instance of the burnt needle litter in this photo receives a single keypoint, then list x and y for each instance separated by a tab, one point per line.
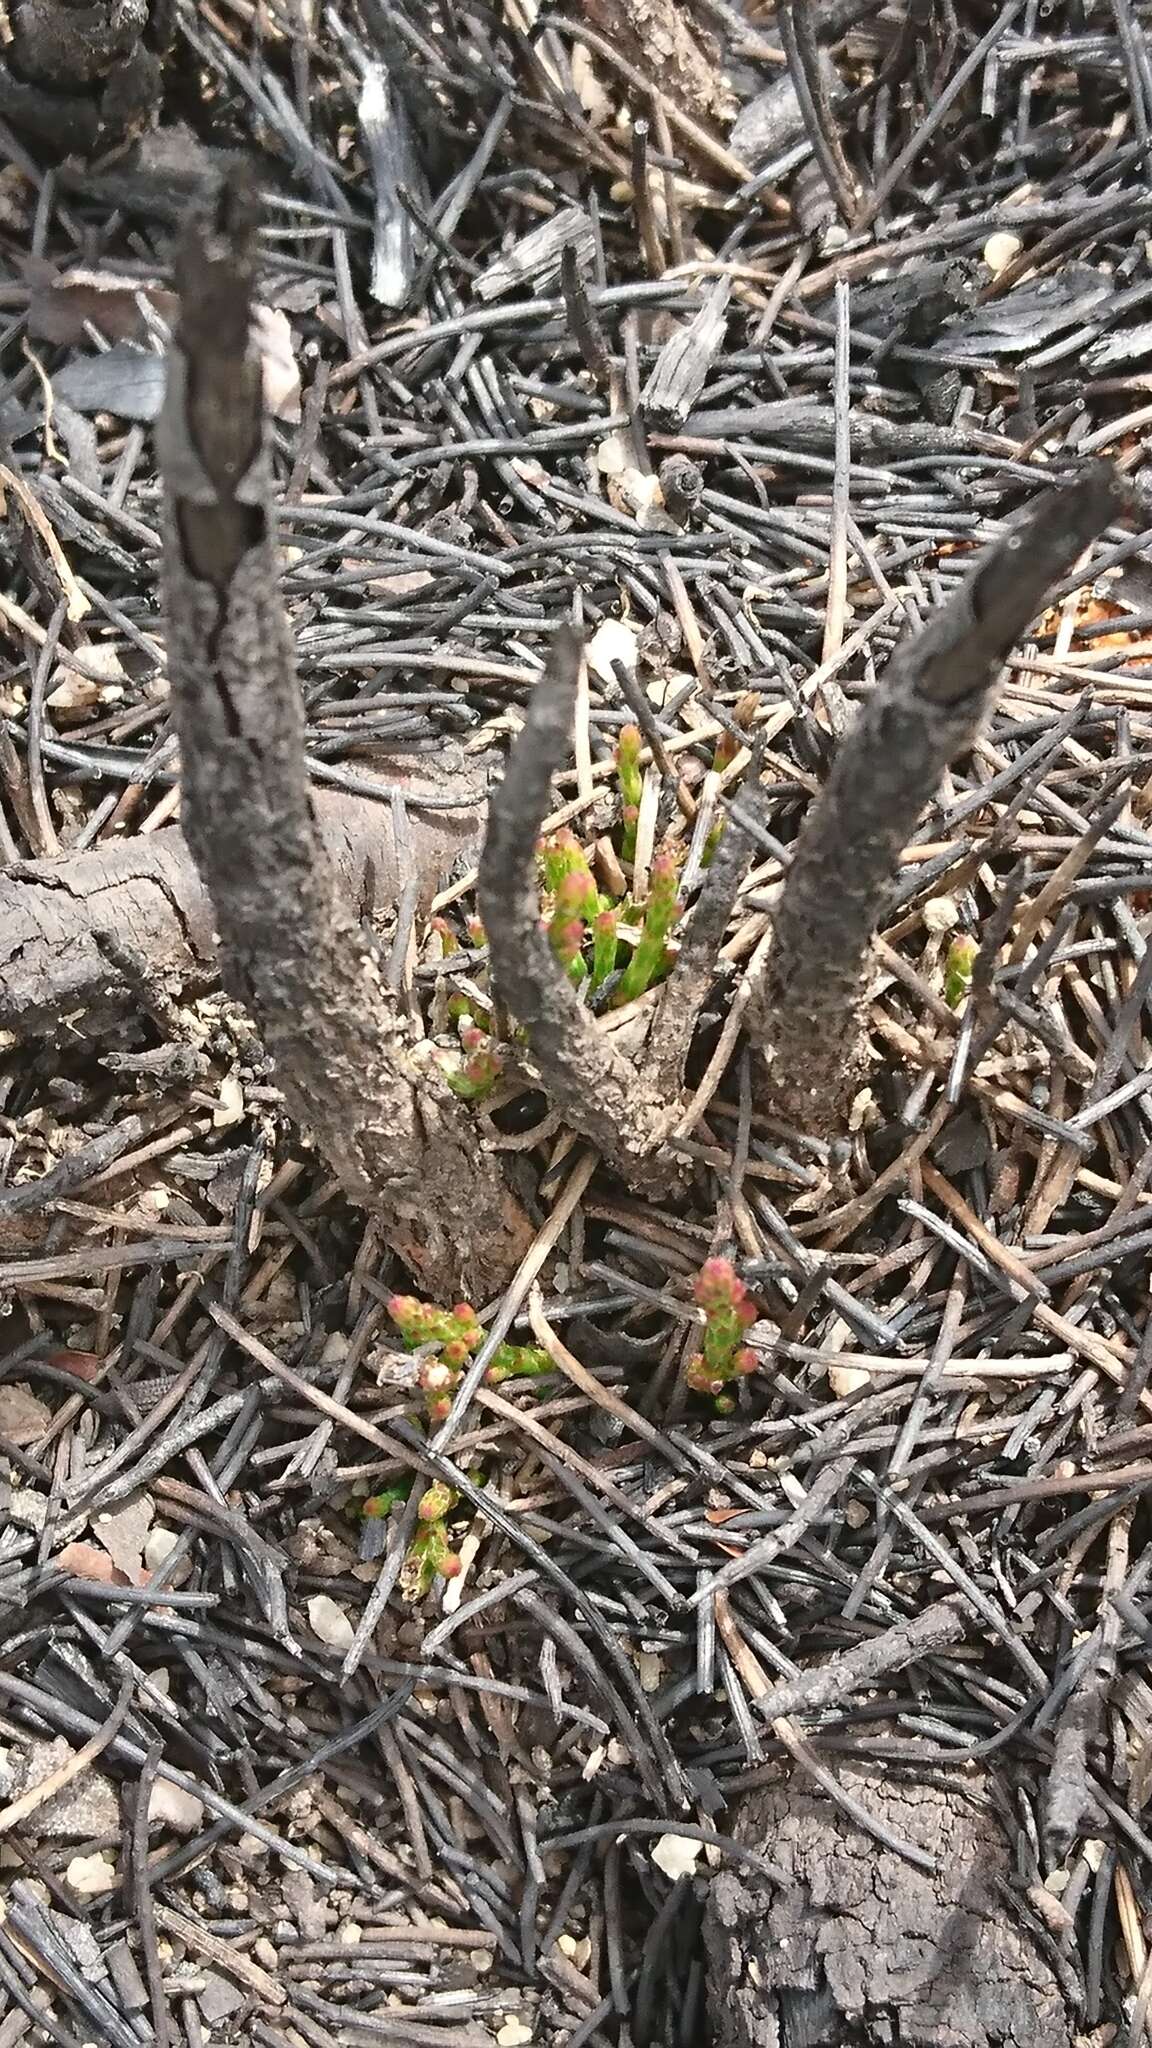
732	374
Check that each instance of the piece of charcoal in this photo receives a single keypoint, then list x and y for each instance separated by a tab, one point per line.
388	140
534	261
682	366
772	122
1120	351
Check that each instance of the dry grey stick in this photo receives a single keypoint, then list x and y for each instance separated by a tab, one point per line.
830	1684
593	1086
925	711
291	944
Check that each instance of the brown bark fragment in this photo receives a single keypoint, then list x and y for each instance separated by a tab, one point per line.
668	42
864	1951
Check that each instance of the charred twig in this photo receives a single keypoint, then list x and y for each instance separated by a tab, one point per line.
851	1671
928	708
797	34
292	946
593	1086
687	986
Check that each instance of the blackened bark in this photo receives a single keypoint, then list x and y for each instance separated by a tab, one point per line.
83	79
593	1086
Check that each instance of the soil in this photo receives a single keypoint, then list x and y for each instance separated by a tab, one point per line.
376	1667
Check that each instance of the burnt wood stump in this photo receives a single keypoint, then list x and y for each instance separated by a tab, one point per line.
863	1950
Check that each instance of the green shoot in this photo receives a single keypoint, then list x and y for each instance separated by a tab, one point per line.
661	911
476	1075
575	901
728	1312
567	926
419	1322
430	1553
958	965
381	1504
604	927
457	1334
630	779
517	1362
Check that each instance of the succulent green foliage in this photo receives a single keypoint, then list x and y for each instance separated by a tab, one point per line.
518	1362
630	779
474	1077
728	1312
569	881
430	1557
380	1505
648	960
958	965
430	1554
456	1334
604	929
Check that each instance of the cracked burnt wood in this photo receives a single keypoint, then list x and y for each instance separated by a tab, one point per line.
670	42
145	895
862	1950
292	947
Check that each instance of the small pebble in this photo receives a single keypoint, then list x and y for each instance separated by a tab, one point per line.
612	641
1000	250
329	1622
91	1875
940	913
23	1416
676	1855
175	1808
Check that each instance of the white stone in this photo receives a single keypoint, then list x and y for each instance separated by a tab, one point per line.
157	1545
940	913
124	1532
676	1855
1000	250
329	1622
91	1875
513	2034
612	641
175	1808
28	1510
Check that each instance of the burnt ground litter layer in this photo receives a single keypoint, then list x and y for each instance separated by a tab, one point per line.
561	327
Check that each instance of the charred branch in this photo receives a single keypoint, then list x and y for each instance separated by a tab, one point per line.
927	709
593	1086
292	948
56	916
